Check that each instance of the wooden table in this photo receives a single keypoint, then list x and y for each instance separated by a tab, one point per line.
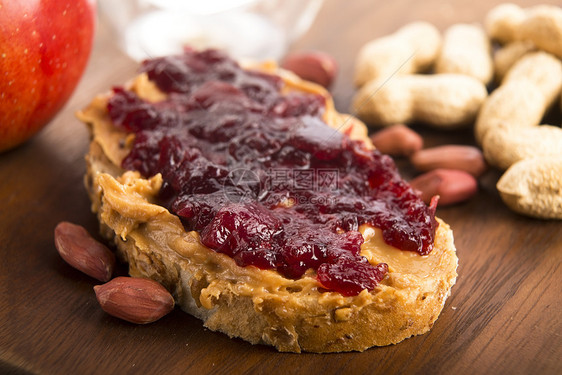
504	315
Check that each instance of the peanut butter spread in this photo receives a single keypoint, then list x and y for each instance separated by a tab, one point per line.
258	305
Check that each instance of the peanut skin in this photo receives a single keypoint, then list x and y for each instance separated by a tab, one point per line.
451	185
440	100
81	251
465	158
135	300
314	66
397	140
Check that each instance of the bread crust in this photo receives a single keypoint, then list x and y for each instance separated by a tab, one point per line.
259	306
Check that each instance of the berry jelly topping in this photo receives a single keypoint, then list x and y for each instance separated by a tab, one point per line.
262	178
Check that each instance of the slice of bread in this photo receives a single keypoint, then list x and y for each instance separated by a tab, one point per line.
260	306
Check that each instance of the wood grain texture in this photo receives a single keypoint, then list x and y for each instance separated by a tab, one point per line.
503	316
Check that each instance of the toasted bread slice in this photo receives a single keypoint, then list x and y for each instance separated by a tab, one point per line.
260	306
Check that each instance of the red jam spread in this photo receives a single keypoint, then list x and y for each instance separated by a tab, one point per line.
262	178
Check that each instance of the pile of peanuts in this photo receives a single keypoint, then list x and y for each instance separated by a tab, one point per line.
451	171
516	56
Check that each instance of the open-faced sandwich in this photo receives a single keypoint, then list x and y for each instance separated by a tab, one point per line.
263	211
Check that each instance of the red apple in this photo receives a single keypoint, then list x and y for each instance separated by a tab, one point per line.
44	48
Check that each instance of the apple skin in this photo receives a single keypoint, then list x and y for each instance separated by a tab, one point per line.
44	49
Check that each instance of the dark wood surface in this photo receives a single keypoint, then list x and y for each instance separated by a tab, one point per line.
504	315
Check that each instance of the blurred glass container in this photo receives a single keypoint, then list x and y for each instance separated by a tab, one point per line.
253	29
